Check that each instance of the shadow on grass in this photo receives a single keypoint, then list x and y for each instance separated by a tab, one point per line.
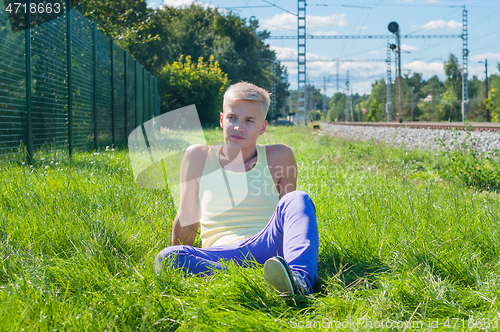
347	270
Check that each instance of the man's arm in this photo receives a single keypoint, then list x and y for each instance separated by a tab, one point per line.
288	181
187	220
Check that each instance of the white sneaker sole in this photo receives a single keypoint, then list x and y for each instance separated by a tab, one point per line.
275	275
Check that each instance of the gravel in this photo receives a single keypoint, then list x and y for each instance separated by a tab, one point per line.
483	141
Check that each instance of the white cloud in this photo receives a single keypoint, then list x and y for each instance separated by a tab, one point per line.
427	69
284	53
433	1
185	3
489	56
289	21
439	24
361	27
324	33
375	52
290	55
408	48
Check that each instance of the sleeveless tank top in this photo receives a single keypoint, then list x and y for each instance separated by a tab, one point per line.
235	205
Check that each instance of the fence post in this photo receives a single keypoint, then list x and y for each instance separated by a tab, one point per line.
94	83
153	107
70	83
136	92
147	93
112	58
125	90
158	96
144	118
27	45
150	96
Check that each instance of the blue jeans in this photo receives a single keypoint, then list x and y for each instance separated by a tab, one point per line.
292	233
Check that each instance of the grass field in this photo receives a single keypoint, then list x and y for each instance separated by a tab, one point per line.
399	242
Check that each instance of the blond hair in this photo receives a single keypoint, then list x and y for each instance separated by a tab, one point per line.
247	91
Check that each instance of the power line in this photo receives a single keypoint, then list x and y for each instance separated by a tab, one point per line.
367	37
274	5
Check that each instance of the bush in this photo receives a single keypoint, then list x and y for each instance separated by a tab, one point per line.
185	83
319	115
466	165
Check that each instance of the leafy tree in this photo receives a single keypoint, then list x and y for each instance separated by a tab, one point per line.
449	107
433	89
202	84
378	97
123	21
374	111
315	115
493	101
159	37
337	107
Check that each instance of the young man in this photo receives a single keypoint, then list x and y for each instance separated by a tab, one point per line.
244	197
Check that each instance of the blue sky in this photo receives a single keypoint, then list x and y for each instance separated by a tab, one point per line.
371	17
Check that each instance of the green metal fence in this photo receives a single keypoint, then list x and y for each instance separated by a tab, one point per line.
65	85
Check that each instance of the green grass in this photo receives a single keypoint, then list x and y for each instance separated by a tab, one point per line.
399	240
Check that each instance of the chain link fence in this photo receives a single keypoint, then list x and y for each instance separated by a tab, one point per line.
65	85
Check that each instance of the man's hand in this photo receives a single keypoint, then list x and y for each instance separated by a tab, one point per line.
187	220
288	180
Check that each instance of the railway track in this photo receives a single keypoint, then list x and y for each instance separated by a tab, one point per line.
479	126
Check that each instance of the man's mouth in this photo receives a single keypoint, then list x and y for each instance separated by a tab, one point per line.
236	137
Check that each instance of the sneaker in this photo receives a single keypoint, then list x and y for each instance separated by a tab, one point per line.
277	274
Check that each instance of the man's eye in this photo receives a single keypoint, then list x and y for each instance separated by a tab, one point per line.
249	120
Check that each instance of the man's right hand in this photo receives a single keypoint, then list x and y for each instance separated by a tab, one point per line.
187	220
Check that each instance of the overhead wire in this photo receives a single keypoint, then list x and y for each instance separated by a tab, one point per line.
476	5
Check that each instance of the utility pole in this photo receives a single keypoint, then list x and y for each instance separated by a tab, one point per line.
433	110
388	105
301	62
273	90
400	89
394	28
352	115
412	103
324	98
486	81
465	69
338	76
347	99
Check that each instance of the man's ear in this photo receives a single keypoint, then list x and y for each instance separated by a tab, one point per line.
221	118
263	129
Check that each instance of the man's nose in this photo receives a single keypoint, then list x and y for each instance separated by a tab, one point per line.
238	125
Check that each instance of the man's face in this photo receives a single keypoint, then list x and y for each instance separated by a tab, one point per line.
242	122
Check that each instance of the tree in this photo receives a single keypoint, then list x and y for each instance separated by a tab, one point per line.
449	108
374	111
378	98
124	21
493	101
315	115
337	107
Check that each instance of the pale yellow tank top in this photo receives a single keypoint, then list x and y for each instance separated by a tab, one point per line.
235	205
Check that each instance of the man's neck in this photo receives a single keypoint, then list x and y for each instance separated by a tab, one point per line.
229	154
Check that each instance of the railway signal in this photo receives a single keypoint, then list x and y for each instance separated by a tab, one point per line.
394	28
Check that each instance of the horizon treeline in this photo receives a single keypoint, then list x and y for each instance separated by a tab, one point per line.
433	99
